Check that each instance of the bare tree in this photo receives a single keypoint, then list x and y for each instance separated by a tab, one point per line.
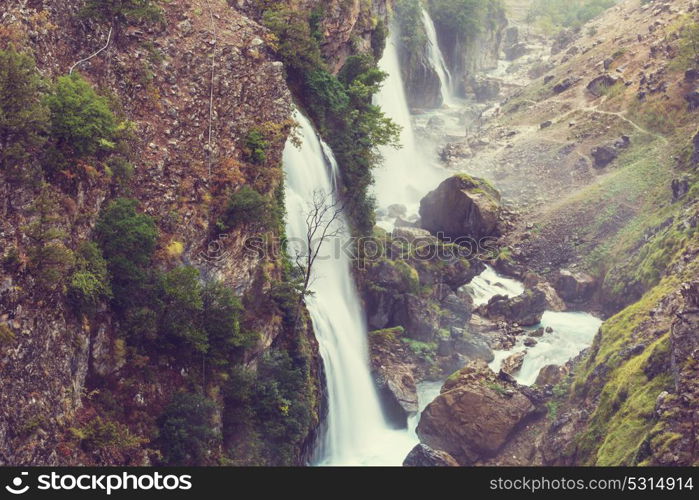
322	224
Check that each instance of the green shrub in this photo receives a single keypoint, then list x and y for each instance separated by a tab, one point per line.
23	115
82	122
121	169
256	145
557	14
222	311
106	435
187	431
89	283
182	309
49	258
297	46
122	11
248	207
127	239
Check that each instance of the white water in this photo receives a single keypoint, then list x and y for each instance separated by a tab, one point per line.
437	59
407	174
356	430
572	331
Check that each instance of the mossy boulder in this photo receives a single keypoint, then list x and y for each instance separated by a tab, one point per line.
461	207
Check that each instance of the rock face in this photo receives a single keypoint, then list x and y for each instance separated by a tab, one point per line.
461	207
574	286
474	415
424	456
525	309
485	89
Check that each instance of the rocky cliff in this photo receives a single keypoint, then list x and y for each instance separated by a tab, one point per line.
197	87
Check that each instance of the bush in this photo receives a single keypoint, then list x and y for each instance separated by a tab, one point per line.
575	13
89	283
247	206
297	47
49	258
221	322
127	239
256	145
24	118
122	11
121	169
81	121
182	309
187	429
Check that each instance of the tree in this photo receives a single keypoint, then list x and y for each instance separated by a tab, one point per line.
221	322
127	239
322	223
187	430
182	308
24	118
247	206
81	120
49	258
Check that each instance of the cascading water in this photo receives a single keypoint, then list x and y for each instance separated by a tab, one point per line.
356	431
406	174
437	58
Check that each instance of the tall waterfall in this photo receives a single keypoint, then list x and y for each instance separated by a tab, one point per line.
356	430
407	174
437	58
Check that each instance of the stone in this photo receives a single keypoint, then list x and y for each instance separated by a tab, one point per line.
680	187
424	456
513	363
550	375
539	332
461	206
564	85
574	286
474	415
603	156
598	85
525	309
545	124
516	51
472	346
692	99
530	342
413	235
420	321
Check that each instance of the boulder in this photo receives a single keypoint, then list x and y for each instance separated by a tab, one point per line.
471	346
692	99
550	375
461	207
680	187
600	84
545	124
525	309
474	415
563	39
420	321
529	342
413	235
424	456
513	363
574	286
539	332
485	89
603	156
516	51
564	85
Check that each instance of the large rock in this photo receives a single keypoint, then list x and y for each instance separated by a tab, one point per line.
525	309
474	415
485	89
424	456
420	321
550	375
513	363
472	346
599	85
461	207
574	286
603	155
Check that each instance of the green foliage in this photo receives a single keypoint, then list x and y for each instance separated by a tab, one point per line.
256	145
122	11
413	36
248	207
121	168
23	115
276	403
462	19
105	435
127	239
427	351
49	258
187	430
222	311
82	122
7	336
89	283
688	32
182	309
341	107
556	14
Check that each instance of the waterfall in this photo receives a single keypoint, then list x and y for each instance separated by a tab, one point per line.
407	174
437	58
356	431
